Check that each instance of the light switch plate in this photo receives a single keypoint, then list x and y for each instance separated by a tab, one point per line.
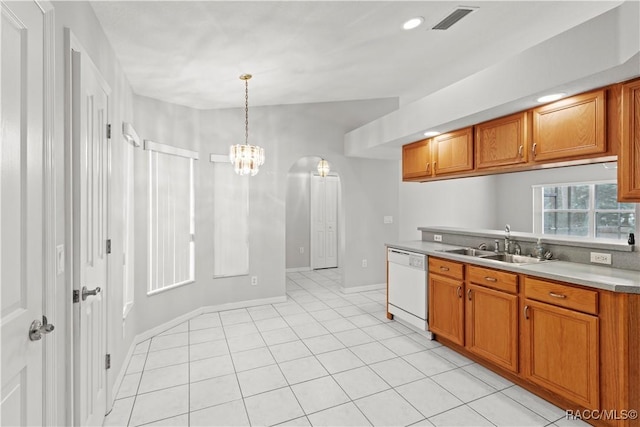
59	259
388	219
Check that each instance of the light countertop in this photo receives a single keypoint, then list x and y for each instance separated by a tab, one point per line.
607	278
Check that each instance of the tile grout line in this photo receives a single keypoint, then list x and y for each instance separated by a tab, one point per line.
311	287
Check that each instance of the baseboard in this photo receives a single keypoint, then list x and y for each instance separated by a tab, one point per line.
243	304
364	288
178	320
297	269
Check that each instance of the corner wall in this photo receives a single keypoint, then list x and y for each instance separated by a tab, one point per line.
287	133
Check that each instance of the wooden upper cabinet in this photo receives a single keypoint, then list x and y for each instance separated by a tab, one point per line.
570	128
502	142
629	152
453	152
416	160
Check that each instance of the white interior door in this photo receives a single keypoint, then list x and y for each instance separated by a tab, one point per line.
90	170
21	224
324	221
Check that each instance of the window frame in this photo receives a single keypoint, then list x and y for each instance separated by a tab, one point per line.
591	211
164	149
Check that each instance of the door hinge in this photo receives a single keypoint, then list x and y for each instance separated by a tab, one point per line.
109	131
108	246
76	296
107	361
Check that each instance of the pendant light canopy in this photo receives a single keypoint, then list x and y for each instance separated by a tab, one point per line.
323	168
246	159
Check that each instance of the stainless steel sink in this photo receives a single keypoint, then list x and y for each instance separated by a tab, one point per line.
469	252
514	259
502	257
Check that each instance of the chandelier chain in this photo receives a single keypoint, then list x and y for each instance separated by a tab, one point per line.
246	112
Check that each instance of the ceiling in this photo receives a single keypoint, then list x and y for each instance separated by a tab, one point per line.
191	52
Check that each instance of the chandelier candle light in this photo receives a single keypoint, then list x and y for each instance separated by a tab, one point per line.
246	159
323	168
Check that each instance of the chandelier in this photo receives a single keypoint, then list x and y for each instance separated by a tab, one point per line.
323	168
246	159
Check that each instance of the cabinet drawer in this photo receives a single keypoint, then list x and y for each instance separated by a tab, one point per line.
561	295
496	279
446	268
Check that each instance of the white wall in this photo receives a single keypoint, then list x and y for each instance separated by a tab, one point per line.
462	202
287	133
298	224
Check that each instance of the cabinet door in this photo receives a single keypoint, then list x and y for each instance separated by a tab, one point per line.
492	325
453	152
561	352
416	160
502	142
446	308
569	128
629	154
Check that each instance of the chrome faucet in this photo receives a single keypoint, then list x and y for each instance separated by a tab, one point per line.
496	248
507	238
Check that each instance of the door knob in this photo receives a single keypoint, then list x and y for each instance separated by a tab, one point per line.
38	328
86	293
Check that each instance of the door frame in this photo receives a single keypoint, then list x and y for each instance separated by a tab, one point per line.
51	381
71	43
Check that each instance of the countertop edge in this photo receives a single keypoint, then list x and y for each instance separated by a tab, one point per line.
605	278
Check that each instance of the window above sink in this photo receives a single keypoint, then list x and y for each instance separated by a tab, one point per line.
588	210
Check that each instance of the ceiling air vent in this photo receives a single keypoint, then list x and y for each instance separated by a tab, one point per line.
453	17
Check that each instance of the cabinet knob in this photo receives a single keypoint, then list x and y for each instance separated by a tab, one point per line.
490	279
520	150
428	168
533	149
526	312
469	294
459	291
443	268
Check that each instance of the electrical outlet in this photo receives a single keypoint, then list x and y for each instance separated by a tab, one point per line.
364	263
600	258
254	280
301	249
437	237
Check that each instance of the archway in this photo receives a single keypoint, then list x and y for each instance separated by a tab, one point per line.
303	250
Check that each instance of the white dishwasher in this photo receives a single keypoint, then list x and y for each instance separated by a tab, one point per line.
407	281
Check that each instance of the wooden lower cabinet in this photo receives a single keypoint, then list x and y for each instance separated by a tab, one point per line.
446	307
561	352
492	325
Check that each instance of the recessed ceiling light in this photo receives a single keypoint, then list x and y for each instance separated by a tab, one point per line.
551	97
431	133
413	23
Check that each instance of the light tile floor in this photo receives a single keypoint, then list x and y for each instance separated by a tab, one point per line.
322	358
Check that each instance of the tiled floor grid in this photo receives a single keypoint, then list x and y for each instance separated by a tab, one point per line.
323	358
